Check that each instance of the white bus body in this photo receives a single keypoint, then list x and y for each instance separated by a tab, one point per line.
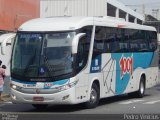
106	72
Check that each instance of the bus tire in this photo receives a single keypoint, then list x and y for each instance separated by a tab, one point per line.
141	91
40	106
94	97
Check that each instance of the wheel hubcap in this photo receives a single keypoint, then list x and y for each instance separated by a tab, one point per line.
93	97
142	88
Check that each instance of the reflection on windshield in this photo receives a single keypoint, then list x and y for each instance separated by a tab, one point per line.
42	55
26	53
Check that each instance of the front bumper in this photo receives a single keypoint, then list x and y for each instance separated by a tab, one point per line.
63	97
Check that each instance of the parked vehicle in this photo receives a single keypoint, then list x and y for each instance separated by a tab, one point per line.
6	42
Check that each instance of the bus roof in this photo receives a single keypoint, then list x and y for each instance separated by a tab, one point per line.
72	23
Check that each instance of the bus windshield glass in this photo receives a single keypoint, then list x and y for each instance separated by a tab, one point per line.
42	54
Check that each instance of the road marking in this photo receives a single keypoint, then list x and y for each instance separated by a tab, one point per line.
5	103
152	102
8	102
130	102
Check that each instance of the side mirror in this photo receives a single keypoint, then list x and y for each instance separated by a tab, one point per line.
76	41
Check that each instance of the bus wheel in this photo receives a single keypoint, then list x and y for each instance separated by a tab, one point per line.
40	106
94	97
140	93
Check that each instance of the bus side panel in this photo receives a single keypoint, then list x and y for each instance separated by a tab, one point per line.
81	93
151	77
124	70
133	84
103	69
143	66
153	71
109	75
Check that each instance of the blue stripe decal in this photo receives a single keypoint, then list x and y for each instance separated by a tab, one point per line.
47	85
61	82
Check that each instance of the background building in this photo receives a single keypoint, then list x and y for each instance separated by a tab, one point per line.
111	8
15	12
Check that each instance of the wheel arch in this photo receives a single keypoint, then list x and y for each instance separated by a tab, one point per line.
97	83
94	81
93	100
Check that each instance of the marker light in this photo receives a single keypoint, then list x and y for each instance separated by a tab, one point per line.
121	26
67	86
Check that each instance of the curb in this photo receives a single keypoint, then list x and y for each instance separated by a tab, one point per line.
5	98
4	95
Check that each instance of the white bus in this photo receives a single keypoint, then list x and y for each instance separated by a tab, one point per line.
71	60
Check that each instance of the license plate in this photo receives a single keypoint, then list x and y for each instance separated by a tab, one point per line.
38	98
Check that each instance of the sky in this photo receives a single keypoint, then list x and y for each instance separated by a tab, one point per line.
137	2
148	6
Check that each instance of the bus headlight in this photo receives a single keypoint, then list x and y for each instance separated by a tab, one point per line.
15	87
67	86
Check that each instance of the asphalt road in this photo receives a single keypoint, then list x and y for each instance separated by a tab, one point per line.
113	105
149	104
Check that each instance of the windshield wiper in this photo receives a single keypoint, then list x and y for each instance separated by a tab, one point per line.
29	63
49	69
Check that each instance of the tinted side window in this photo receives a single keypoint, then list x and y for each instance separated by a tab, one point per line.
142	40
152	41
124	41
100	36
119	40
139	40
110	43
133	40
83	51
111	40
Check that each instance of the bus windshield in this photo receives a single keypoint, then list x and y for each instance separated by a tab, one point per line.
42	54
